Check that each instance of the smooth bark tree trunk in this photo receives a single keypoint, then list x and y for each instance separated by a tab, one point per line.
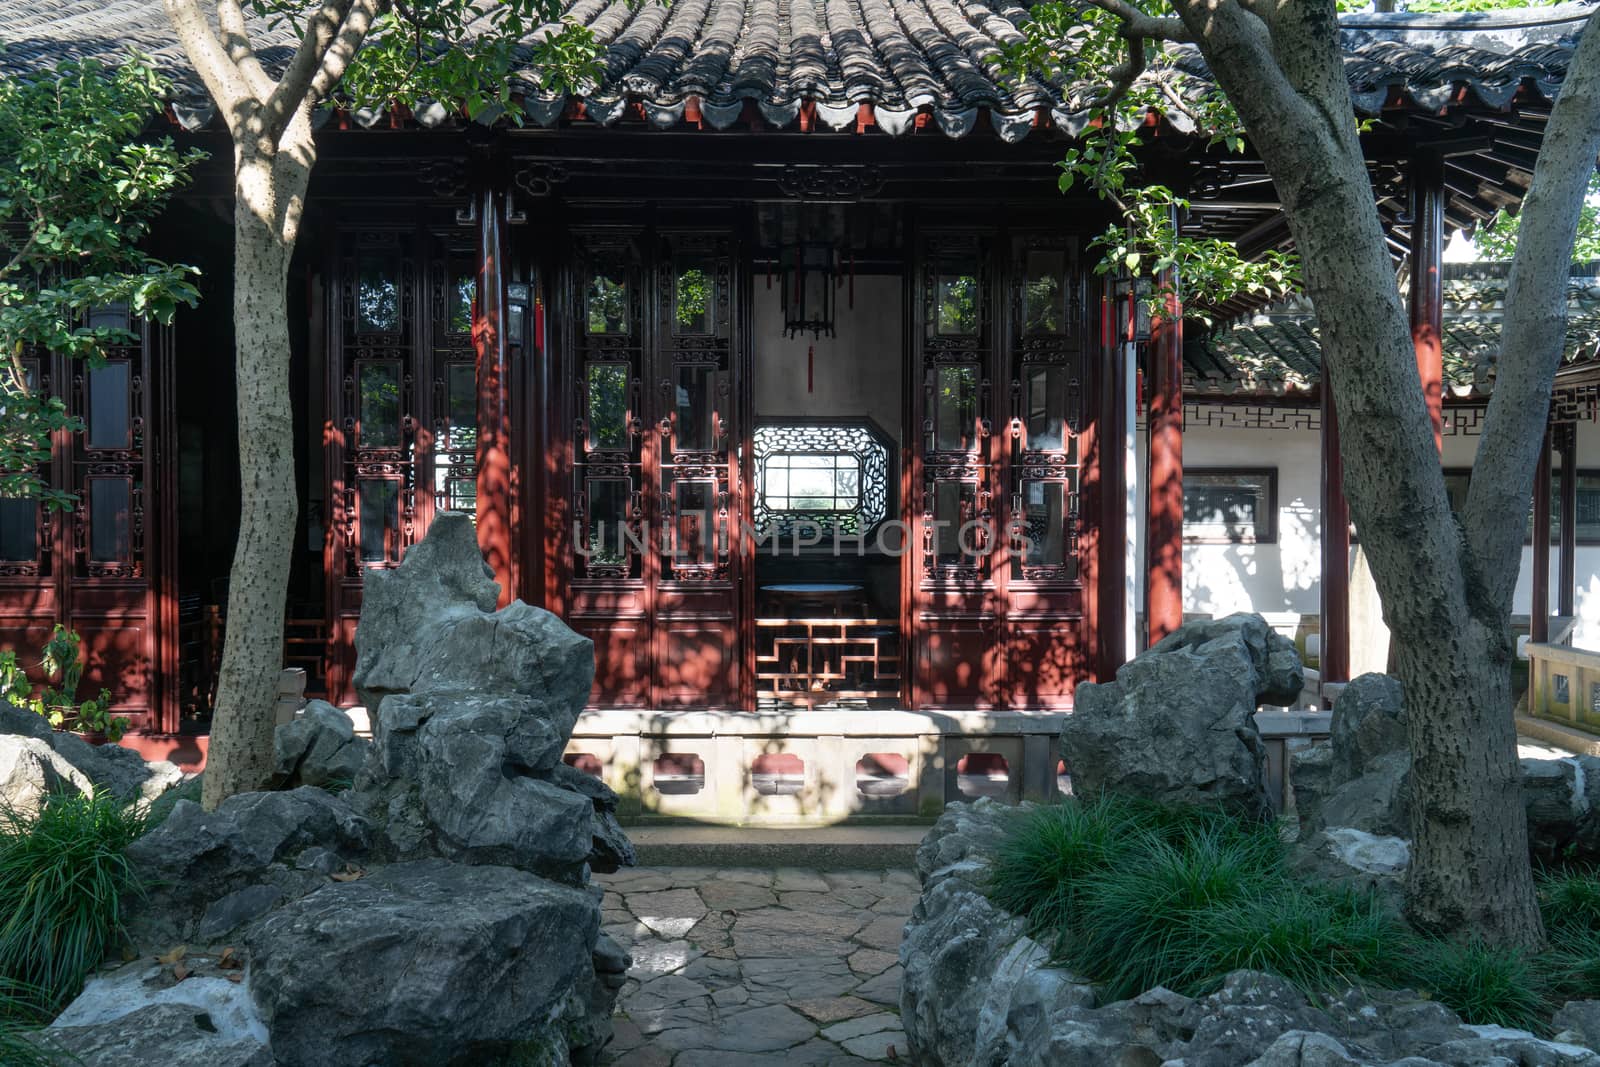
269	191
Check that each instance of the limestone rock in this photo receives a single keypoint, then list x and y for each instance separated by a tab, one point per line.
1377	802
1579	1021
1369	721
419	963
120	771
197	857
1556	805
1178	724
429	625
30	770
473	776
172	1035
136	1016
1361	777
319	747
1279	674
15	720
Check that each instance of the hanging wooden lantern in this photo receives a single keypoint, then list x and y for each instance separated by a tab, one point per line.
808	273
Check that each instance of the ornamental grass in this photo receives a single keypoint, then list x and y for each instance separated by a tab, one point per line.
1129	895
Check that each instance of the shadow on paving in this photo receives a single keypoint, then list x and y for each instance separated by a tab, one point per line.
759	968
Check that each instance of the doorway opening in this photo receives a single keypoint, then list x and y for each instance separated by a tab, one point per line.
826	449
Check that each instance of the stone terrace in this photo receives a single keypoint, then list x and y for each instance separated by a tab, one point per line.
759	968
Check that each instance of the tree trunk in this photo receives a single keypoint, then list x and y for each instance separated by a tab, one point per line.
1469	871
269	188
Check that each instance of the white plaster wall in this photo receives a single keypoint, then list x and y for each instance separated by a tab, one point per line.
1283	580
857	372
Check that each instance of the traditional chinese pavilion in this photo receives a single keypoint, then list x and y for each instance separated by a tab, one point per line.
776	363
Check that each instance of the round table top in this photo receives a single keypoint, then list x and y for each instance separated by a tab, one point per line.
806	588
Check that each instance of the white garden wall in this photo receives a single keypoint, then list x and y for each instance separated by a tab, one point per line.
1283	580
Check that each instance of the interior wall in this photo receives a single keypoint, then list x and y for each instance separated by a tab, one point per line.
857	372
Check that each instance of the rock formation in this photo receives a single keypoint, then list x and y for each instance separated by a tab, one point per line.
978	992
435	908
1178	724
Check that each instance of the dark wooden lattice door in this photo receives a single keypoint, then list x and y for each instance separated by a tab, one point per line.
954	584
994	577
655	472
401	442
1048	439
103	567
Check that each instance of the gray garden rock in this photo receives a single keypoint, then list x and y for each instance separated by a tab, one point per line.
429	625
120	771
1578	1023
172	1035
1369	721
136	1016
421	963
1276	665
318	747
1178	724
197	857
15	720
30	770
474	776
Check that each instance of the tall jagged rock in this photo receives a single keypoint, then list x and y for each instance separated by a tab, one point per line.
1178	724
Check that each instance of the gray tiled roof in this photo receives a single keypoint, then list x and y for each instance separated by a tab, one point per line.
1277	352
799	62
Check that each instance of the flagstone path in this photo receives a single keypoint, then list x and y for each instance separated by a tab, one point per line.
759	968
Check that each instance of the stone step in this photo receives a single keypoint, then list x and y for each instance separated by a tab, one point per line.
1567	738
829	848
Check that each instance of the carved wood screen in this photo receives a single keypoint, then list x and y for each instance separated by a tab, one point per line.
402	435
995	598
655	475
103	567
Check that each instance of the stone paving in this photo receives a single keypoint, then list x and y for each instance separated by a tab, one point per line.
759	968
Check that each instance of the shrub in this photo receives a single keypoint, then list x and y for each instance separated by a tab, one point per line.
63	881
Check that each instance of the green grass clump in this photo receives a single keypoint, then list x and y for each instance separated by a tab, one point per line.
1318	939
1130	895
64	882
1484	984
1040	866
22	1044
1144	921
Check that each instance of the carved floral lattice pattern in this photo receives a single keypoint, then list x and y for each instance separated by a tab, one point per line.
850	460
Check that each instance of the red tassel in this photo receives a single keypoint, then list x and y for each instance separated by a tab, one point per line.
811	365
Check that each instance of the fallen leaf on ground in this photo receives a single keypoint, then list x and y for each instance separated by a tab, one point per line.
180	972
174	956
349	874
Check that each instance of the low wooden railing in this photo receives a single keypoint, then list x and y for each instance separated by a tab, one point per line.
817	661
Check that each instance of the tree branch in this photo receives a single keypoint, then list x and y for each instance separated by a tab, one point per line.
322	28
1136	23
1123	75
236	39
1533	326
357	24
224	81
